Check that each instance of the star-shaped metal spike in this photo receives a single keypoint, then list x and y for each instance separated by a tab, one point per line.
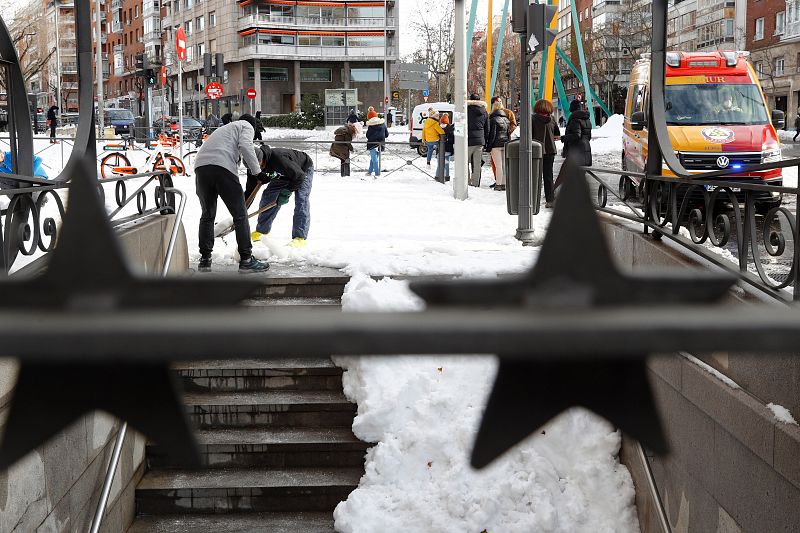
574	269
48	396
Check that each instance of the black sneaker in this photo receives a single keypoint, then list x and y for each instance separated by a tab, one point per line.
204	265
251	265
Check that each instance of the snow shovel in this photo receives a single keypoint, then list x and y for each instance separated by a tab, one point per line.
226	226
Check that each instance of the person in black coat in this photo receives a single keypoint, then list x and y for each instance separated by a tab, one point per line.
259	126
496	142
449	143
227	118
52	121
376	135
286	171
477	136
352	117
545	130
578	133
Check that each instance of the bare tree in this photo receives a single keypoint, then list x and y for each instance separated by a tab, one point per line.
436	48
29	36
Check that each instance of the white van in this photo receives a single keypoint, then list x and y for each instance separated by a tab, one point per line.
418	116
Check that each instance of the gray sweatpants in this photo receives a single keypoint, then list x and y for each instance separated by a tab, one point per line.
475	154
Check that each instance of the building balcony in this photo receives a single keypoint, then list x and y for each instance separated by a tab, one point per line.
363	23
116	27
69	67
116	5
69	85
291	52
152	36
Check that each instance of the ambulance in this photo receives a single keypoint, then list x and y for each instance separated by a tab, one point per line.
717	119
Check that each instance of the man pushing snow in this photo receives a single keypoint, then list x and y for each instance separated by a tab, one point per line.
295	172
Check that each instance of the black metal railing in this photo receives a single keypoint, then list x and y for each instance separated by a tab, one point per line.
743	225
27	226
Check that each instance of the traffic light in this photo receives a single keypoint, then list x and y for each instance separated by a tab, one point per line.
540	34
510	69
140	62
220	66
207	65
150	74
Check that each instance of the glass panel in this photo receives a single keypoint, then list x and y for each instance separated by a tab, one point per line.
715	104
366	74
315	74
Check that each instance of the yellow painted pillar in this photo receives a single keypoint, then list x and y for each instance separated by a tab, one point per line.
488	94
551	59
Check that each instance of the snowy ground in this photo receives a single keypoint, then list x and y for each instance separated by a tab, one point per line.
423	412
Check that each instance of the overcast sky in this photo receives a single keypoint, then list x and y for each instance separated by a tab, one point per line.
410	8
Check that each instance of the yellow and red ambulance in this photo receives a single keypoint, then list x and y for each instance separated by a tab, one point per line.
717	118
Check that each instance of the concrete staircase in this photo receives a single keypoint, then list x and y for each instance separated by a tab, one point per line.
277	449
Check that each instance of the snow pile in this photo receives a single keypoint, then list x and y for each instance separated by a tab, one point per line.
424	413
781	413
612	127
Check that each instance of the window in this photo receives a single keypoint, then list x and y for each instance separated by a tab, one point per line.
187	4
212	19
366	40
270	73
366	74
187	27
201	49
136	11
779	63
212	46
759	33
780	22
759	68
189	54
315	74
199	23
580	17
798	59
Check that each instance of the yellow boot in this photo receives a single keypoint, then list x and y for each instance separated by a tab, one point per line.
297	242
256	236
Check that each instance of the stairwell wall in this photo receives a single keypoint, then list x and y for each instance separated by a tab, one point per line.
56	487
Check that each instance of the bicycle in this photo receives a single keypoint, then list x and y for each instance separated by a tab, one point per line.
117	162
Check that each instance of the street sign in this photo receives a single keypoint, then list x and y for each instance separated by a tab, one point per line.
251	93
425	97
214	90
425	93
163	76
180	44
386	100
395	95
413	85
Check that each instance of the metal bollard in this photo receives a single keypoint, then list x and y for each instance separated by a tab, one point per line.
440	160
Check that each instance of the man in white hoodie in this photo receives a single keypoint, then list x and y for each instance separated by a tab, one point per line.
217	176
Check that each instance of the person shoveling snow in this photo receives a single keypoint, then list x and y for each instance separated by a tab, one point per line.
284	171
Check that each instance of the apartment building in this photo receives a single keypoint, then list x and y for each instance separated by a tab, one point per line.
773	37
59	77
284	49
125	42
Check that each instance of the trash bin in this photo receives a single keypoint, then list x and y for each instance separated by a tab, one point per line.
140	129
512	176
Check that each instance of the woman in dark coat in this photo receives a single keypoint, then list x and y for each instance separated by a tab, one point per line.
341	147
498	138
376	135
52	121
449	143
578	133
545	130
259	126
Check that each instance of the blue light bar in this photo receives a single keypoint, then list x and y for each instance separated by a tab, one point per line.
736	167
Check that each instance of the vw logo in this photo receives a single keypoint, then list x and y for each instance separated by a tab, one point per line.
723	162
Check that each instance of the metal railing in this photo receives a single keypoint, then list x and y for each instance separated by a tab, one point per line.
343	22
740	224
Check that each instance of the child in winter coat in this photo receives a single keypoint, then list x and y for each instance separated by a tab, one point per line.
431	130
341	147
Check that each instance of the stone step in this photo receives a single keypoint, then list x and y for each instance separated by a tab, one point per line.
296	303
269	408
245	489
236	523
254	375
272	447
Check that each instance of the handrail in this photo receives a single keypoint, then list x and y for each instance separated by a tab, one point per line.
109	479
114	462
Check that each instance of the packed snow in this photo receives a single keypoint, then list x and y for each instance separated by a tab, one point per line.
423	413
781	414
711	370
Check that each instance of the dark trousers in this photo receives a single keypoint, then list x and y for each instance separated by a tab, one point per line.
211	182
345	167
52	129
547	174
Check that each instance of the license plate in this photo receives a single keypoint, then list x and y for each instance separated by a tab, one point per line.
733	189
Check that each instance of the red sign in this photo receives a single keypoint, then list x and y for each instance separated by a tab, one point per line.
180	44
251	93
164	76
426	98
386	100
214	90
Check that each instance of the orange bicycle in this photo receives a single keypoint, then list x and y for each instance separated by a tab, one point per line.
116	162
